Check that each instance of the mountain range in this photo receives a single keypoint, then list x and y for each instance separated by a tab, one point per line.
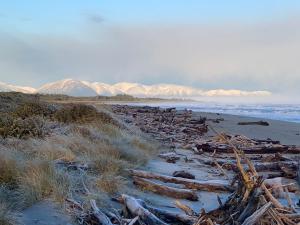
84	88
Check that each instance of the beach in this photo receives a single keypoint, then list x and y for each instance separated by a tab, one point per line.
163	164
285	132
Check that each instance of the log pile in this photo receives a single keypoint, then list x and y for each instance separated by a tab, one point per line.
265	170
248	146
252	202
169	126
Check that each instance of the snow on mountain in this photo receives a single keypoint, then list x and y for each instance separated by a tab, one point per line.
103	89
8	87
68	87
85	88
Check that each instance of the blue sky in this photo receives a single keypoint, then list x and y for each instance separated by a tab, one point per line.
249	45
57	16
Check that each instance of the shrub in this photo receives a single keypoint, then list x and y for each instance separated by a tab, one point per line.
33	109
21	128
80	113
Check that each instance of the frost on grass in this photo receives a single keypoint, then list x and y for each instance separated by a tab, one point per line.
59	151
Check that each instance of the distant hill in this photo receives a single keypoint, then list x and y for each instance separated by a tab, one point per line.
79	88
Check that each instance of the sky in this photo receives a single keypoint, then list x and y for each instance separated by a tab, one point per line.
246	45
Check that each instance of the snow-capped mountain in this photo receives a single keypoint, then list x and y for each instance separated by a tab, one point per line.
68	87
84	88
9	87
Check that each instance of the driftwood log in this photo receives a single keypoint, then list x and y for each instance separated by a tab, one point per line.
162	214
101	217
177	193
251	220
263	149
212	185
136	209
262	123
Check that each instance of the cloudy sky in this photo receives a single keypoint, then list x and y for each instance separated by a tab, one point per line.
247	45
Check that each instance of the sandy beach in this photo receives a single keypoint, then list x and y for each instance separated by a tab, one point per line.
285	132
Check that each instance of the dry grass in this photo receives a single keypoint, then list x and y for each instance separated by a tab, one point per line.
7	217
34	136
40	179
106	164
9	171
111	184
48	150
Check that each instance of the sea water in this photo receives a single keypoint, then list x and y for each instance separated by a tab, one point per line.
283	112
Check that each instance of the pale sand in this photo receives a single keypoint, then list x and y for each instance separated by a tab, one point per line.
285	132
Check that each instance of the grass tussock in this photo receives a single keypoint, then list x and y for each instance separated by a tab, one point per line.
111	184
40	179
7	217
38	142
48	150
9	171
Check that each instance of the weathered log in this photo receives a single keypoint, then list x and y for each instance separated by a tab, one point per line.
102	218
166	190
251	220
212	185
134	220
137	209
267	141
184	174
263	149
277	166
261	123
251	206
170	157
185	208
167	216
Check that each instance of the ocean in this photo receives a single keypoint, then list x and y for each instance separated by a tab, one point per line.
283	112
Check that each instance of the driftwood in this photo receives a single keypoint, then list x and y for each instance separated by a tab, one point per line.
101	217
137	209
262	123
166	216
188	211
170	157
212	185
172	128
263	149
183	174
165	190
240	206
251	220
134	220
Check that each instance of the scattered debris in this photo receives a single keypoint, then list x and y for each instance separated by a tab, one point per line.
171	127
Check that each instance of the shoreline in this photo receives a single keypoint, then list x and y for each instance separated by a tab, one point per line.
287	133
277	113
283	131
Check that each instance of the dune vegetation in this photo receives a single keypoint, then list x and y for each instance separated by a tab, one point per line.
62	151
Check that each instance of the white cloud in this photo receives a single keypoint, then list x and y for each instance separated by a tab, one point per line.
226	56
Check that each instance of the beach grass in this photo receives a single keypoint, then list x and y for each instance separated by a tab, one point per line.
39	141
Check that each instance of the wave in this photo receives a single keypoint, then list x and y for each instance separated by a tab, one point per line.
283	112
